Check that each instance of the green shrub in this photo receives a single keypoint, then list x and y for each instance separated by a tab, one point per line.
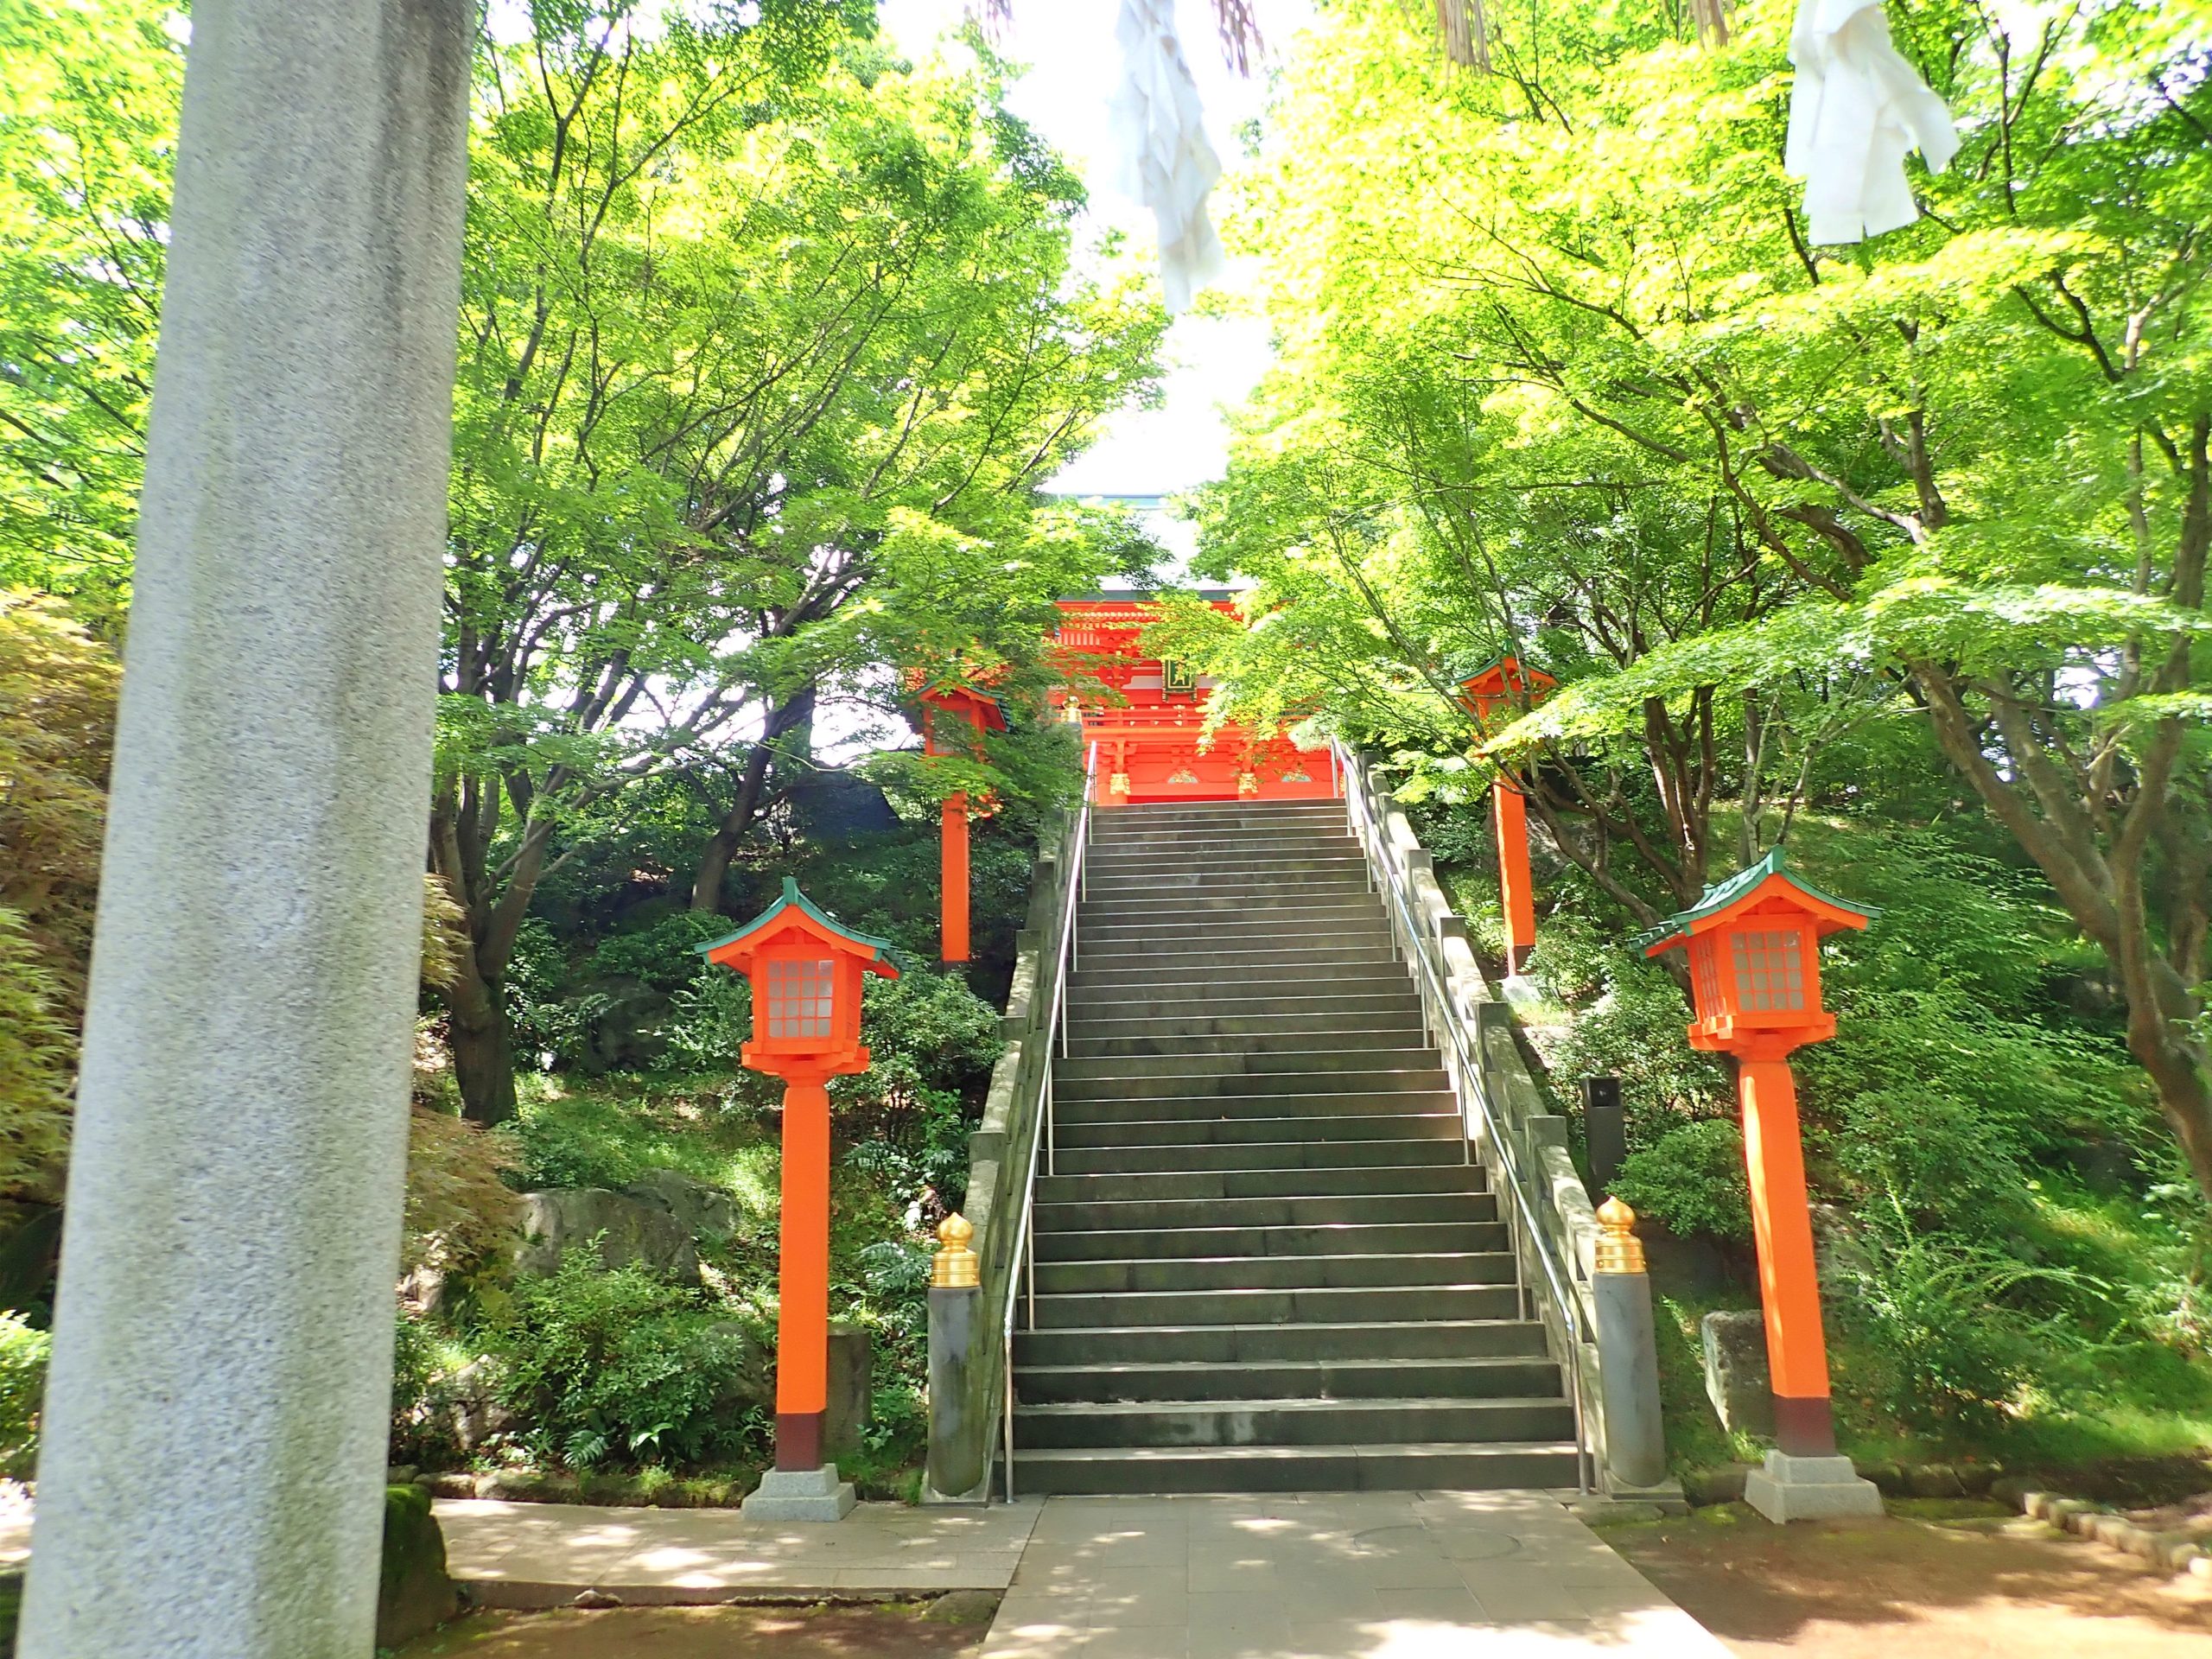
25	1350
1955	1329
37	1055
621	1367
1692	1179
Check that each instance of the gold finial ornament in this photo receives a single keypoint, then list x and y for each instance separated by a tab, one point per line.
1619	1250
1118	783
1247	784
955	1267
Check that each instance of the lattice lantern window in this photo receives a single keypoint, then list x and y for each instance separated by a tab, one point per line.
1769	968
1754	949
806	970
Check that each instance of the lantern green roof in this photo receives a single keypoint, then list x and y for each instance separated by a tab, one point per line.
879	950
1721	895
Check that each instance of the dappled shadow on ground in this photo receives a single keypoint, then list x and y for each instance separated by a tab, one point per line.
1935	1580
1339	1575
884	1632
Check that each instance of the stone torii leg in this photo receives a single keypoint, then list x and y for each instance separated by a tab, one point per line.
212	1476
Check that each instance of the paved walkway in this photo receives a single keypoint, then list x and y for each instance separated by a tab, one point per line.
544	1554
1357	1575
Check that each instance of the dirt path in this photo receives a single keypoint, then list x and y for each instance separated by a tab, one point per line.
884	1632
1947	1580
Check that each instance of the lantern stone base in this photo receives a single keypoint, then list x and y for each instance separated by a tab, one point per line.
801	1495
1809	1489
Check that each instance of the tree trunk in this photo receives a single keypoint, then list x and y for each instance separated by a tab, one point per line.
792	715
483	1062
2184	1089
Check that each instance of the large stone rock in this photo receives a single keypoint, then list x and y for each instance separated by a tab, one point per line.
852	1386
1736	1379
627	1232
414	1594
706	1211
470	1403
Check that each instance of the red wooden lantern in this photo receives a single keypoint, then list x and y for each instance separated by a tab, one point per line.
1755	977
1754	959
979	712
806	969
1505	683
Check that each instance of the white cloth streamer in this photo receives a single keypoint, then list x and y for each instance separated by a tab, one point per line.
1167	163
1856	108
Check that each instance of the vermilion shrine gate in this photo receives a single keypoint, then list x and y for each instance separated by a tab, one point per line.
1148	732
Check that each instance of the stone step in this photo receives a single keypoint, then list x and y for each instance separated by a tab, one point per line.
1227	1016
1312	1061
1365	954
1152	914
1314	838
1458	1340
1278	1305
1230	1131
1398	1033
1386	1271
1212	887
1256	1154
1170	1085
1288	1421
1211	1192
1319	1103
1233	817
1293	937
1248	867
1363	973
1105	1214
1319	1238
1047	1472
1526	1376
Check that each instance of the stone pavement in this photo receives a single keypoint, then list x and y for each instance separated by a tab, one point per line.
544	1554
1353	1575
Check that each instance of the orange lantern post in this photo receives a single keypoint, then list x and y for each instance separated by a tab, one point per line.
1505	683
981	713
1753	943
806	970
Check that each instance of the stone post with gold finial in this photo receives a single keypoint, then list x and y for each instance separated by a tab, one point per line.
1628	1354
959	1448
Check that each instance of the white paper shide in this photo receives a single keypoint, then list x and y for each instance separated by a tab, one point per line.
1167	163
1857	108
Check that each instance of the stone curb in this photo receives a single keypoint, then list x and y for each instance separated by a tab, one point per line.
2172	1552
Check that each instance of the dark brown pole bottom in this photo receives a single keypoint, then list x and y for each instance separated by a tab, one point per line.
798	1438
1804	1428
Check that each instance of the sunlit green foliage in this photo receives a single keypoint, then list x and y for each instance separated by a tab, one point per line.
88	98
1562	377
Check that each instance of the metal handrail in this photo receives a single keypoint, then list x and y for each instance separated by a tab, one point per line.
1470	1080
1064	960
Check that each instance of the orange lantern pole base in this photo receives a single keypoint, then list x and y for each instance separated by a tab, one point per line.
953	879
1516	892
802	1306
1789	1287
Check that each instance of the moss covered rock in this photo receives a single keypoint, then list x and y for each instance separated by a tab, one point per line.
414	1594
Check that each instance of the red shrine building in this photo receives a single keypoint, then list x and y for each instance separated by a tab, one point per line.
1147	716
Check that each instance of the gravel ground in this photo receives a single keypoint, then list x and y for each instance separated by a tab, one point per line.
1962	1579
888	1631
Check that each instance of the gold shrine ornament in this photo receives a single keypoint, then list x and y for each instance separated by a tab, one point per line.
955	1267
1619	1250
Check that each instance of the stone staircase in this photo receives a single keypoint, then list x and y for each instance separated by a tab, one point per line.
1263	1262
